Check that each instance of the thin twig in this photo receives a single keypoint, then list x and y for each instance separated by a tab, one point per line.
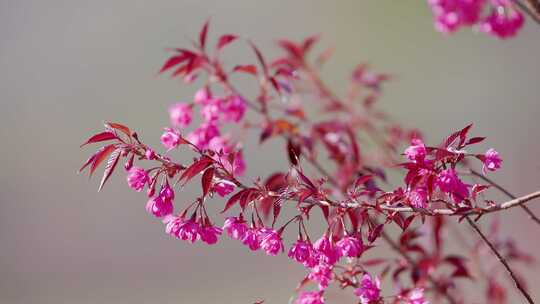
502	260
507	193
531	8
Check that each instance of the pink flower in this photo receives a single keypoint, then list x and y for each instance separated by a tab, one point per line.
449	182
239	164
369	289
202	96
270	241
235	227
349	247
211	110
328	253
209	234
504	21
166	192
450	15
180	114
202	135
223	188
251	239
150	154
234	109
219	144
492	161
137	178
301	251
416	296
187	230
310	297
416	151
322	274
159	206
418	197
170	139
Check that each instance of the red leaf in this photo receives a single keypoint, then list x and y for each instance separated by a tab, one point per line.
173	61
260	58
206	180
294	151
249	68
294	50
474	140
195	168
100	156
362	180
119	127
225	39
88	161
203	34
233	200
103	136
109	168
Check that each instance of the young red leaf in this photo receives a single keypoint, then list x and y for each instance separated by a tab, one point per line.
195	168
475	140
260	58
206	180
234	199
119	127
100	156
103	136
203	34
249	69
109	168
225	40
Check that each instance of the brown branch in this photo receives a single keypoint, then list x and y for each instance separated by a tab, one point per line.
532	216
531	8
502	260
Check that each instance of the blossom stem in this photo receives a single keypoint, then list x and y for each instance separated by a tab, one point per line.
502	260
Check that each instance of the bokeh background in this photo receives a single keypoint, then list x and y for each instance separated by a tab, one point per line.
67	66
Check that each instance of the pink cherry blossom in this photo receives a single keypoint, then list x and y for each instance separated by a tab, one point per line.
170	139
450	15
349	247
150	154
223	188
159	206
234	109
416	151
251	239
418	197
210	234
300	251
270	241
235	227
137	178
504	21
187	230
369	289
202	96
211	110
180	114
492	160
416	296
310	297
328	253
322	274
202	135
449	182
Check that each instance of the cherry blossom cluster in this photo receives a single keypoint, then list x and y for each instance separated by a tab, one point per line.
498	18
338	169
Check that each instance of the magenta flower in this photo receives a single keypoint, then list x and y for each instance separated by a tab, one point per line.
210	234
416	296
202	135
166	192
449	182
159	206
310	297
223	188
504	21
234	109
239	164
322	274
328	253
251	239
235	227
416	151
300	251
180	114
170	139
450	15
349	247
202	96
211	110
189	231
492	160
150	154
369	290
137	178
270	241
418	197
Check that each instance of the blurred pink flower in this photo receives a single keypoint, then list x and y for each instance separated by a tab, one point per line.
492	160
369	289
180	114
504	21
310	297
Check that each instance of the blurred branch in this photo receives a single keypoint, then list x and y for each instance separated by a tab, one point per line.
531	8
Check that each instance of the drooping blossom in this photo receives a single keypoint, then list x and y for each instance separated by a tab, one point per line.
449	182
202	96
310	297
170	139
182	229
300	251
137	178
504	21
180	114
150	154
211	110
416	296
328	253
418	197
209	234
201	136
270	241
369	289
450	15
233	110
492	161
416	151
159	206
322	274
223	188
251	239
349	247
235	227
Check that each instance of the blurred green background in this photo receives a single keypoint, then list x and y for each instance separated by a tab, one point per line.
67	66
